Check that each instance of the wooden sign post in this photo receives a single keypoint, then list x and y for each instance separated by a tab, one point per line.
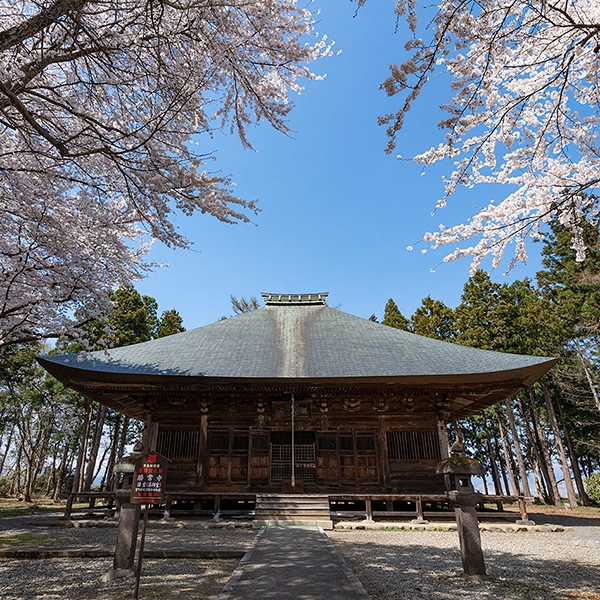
148	487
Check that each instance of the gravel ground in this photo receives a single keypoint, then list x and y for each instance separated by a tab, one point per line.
426	565
80	579
415	565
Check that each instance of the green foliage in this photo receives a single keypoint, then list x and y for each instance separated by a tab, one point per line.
243	305
592	487
169	324
433	319
572	286
392	317
134	317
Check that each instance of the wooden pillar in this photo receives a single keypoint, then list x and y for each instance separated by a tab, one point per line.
168	500
443	436
369	509
419	507
203	447
383	460
150	436
523	509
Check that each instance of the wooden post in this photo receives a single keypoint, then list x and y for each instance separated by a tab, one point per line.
203	447
419	507
384	463
168	501
443	436
138	572
369	509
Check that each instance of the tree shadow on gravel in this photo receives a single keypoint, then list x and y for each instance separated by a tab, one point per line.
567	519
79	579
423	572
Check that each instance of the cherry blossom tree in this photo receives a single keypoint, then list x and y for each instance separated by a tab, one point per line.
525	113
100	106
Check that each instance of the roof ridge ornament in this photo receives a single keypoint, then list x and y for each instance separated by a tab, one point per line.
295	299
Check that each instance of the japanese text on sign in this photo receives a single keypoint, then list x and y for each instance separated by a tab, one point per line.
149	478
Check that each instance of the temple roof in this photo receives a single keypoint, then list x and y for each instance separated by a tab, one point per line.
298	337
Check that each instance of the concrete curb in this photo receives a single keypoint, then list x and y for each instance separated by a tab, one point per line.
506	528
228	588
352	578
173	553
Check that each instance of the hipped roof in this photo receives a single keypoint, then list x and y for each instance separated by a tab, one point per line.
281	342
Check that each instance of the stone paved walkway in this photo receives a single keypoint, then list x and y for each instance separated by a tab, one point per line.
293	563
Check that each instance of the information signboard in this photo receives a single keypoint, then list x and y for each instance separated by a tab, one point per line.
149	479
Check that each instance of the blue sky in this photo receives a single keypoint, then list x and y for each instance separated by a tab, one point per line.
337	213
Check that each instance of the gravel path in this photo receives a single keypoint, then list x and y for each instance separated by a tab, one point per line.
80	579
391	564
426	565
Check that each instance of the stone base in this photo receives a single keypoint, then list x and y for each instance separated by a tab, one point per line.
478	578
524	522
420	522
118	574
258	523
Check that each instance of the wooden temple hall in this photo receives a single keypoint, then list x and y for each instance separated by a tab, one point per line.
298	397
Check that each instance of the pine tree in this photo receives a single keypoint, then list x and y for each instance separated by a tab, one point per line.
433	319
392	317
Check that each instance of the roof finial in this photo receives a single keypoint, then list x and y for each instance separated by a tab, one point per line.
295	299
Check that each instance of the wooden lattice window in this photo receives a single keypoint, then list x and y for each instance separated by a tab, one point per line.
178	443
413	445
260	443
327	443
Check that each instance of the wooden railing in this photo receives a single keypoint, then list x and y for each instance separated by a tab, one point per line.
419	511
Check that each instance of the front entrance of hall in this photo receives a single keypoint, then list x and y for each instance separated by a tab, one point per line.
292	457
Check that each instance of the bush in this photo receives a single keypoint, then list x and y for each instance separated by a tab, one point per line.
592	487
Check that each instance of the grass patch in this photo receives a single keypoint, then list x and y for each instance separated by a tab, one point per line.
24	539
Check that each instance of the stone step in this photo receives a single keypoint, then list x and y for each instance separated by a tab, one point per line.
292	508
322	523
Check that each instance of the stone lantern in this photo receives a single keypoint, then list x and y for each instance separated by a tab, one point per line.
129	518
458	469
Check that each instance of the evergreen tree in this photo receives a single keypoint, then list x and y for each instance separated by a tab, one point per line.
169	324
433	319
392	317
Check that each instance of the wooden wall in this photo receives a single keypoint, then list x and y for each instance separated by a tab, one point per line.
240	448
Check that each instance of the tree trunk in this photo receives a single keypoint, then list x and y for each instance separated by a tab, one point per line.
82	448
60	476
536	460
539	482
15	485
94	447
51	481
123	440
505	448
517	447
494	466
590	381
561	449
99	467
546	462
112	458
574	460
6	449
